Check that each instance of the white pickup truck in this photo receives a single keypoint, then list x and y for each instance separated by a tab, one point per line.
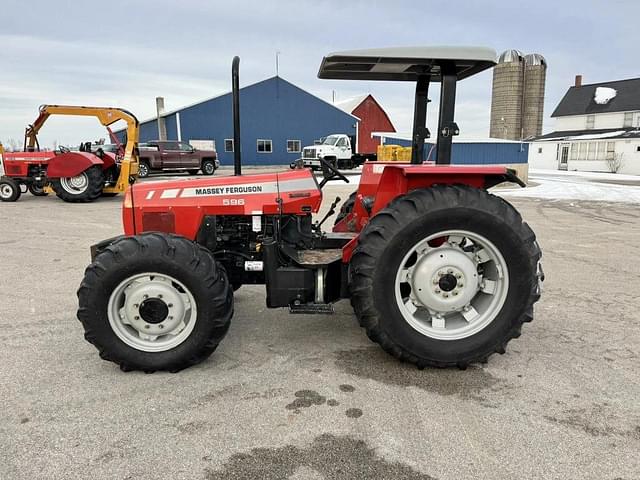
337	149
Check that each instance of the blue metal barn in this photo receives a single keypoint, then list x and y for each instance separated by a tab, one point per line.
480	152
272	110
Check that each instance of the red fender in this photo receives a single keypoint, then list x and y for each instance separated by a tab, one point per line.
71	164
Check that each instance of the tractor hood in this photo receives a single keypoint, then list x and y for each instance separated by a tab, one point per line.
179	206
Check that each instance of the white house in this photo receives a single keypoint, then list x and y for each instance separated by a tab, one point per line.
597	129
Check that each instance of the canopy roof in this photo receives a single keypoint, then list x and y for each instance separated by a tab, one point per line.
406	63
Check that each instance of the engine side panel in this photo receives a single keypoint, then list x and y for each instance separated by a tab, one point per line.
179	206
16	164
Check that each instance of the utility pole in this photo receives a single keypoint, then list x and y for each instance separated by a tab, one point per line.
277	62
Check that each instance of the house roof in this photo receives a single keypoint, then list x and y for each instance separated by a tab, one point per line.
593	134
580	100
350	104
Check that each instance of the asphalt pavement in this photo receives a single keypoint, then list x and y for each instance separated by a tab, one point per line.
302	396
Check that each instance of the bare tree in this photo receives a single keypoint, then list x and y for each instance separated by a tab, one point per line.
13	145
615	163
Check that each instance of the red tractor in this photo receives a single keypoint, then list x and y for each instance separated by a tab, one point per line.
439	271
74	176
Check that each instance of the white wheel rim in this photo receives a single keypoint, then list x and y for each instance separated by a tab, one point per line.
129	309
6	191
144	171
208	167
75	185
454	289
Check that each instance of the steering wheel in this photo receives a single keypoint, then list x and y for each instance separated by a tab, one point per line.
329	172
63	149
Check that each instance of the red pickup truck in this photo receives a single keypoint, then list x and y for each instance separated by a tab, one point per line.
159	155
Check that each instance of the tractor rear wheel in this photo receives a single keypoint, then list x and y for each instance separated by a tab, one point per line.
85	187
9	190
462	270
155	302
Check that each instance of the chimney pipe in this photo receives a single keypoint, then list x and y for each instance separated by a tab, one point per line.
578	81
162	126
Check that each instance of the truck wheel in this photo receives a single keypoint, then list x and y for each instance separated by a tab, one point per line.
155	302
85	187
9	190
462	270
143	169
208	167
346	208
37	190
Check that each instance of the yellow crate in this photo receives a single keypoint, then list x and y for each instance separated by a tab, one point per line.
394	153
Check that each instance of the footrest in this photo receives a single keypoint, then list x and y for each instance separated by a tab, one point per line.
312	308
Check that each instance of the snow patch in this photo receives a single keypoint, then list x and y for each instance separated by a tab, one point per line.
604	95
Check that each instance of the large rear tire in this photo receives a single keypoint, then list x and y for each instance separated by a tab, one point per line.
85	187
155	302
445	276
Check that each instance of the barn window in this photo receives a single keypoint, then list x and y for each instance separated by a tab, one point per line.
228	144
264	146
293	146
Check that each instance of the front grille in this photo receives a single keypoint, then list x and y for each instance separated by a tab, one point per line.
309	153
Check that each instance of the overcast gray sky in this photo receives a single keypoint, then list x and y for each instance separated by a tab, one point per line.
125	53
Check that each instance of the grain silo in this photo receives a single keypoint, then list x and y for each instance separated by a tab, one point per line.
535	73
507	96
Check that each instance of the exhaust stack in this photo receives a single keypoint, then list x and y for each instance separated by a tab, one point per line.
235	88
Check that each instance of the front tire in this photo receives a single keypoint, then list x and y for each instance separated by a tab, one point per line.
462	271
208	167
9	190
155	302
85	187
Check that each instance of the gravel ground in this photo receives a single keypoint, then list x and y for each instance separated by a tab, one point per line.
295	396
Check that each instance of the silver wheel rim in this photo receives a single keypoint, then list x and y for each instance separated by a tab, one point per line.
451	285
6	191
208	167
128	312
75	185
143	170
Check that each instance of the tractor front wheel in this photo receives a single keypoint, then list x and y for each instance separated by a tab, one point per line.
155	302
445	276
85	187
9	190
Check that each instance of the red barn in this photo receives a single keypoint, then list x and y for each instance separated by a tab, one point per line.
372	119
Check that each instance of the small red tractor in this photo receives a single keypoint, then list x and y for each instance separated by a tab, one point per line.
74	176
439	271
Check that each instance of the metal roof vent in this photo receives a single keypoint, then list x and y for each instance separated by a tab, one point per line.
509	56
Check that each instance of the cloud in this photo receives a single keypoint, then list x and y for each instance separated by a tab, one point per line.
125	53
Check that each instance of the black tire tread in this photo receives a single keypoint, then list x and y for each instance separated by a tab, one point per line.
180	250
94	190
389	221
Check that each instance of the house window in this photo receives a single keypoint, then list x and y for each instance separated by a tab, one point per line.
539	149
628	119
293	146
264	146
228	144
574	151
602	147
592	151
611	150
582	154
591	121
